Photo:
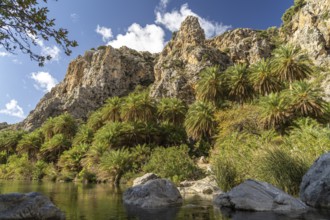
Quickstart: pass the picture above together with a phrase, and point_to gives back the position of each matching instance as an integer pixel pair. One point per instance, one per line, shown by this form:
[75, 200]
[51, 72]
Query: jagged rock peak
[190, 31]
[179, 64]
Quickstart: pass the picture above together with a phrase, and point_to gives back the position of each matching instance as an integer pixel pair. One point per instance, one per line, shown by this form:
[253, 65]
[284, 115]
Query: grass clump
[173, 163]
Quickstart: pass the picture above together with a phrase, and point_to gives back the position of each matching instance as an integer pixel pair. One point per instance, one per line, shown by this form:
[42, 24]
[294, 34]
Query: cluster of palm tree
[282, 84]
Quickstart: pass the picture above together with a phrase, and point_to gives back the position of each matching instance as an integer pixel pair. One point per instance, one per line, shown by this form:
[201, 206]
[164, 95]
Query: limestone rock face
[179, 64]
[90, 80]
[315, 185]
[259, 196]
[310, 29]
[157, 193]
[28, 206]
[243, 45]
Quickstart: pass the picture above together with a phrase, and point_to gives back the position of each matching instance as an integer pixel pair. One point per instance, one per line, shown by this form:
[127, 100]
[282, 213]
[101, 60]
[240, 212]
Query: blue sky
[142, 25]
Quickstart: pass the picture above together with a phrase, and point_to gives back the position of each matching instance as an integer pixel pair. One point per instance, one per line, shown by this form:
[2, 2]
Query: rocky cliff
[310, 29]
[178, 66]
[107, 72]
[90, 80]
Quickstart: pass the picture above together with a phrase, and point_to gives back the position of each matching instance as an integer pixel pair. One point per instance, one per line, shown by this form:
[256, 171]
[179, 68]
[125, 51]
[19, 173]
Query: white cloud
[74, 17]
[54, 52]
[163, 3]
[172, 21]
[149, 38]
[4, 54]
[13, 109]
[105, 32]
[44, 81]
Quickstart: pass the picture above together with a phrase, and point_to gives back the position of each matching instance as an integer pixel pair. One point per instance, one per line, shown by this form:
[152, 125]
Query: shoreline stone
[315, 185]
[157, 193]
[28, 206]
[253, 195]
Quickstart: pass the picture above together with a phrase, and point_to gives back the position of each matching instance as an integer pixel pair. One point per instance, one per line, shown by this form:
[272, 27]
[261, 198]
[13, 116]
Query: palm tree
[263, 78]
[47, 128]
[147, 107]
[274, 111]
[240, 88]
[9, 140]
[210, 86]
[111, 110]
[290, 63]
[83, 136]
[65, 124]
[200, 122]
[138, 107]
[113, 135]
[95, 121]
[30, 144]
[116, 163]
[306, 99]
[70, 159]
[172, 110]
[51, 150]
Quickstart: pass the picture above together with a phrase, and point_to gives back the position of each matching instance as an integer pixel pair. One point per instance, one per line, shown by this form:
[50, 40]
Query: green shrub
[51, 173]
[283, 170]
[114, 164]
[237, 152]
[173, 163]
[39, 170]
[70, 159]
[17, 167]
[225, 173]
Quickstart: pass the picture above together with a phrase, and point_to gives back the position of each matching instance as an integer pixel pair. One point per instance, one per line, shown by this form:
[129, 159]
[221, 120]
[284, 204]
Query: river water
[103, 202]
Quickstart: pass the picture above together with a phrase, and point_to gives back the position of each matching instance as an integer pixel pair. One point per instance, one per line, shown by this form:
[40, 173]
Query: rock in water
[28, 206]
[259, 196]
[158, 193]
[145, 178]
[204, 187]
[315, 185]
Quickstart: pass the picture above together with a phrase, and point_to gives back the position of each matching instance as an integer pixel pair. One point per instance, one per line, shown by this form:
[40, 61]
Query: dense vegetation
[266, 120]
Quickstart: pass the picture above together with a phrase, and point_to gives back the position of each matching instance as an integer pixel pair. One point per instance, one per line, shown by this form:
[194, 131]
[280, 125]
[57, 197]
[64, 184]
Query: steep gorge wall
[90, 80]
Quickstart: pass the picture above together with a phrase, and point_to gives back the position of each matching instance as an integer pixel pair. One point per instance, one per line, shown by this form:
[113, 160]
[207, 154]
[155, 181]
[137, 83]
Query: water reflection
[102, 202]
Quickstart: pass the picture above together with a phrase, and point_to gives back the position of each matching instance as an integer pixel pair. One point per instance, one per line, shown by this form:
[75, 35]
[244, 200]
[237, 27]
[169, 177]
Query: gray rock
[28, 206]
[205, 187]
[158, 193]
[259, 196]
[315, 185]
[145, 178]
